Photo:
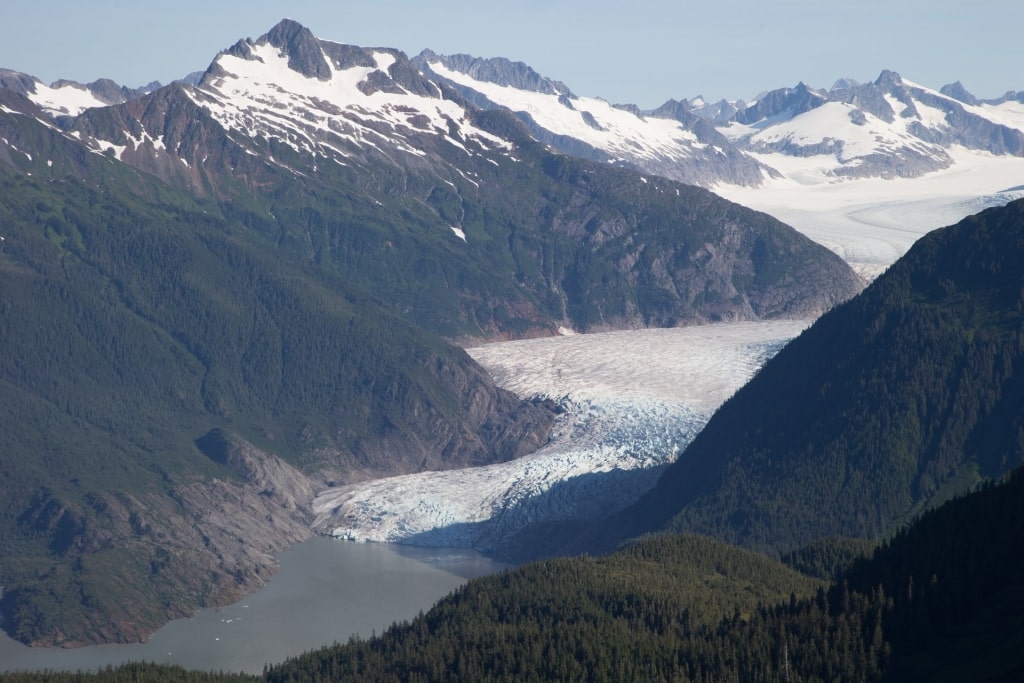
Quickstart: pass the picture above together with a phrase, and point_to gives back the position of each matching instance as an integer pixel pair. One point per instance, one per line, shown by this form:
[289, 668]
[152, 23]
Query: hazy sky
[641, 51]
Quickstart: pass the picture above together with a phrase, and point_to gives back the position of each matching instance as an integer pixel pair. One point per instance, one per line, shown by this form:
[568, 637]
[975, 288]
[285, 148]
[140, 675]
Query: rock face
[498, 70]
[780, 104]
[150, 549]
[958, 92]
[15, 81]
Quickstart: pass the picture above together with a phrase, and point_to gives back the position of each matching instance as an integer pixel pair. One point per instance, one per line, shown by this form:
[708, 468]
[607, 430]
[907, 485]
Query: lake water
[324, 592]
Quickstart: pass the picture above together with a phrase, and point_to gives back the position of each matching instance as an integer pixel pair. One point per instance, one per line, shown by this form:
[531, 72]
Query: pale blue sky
[641, 52]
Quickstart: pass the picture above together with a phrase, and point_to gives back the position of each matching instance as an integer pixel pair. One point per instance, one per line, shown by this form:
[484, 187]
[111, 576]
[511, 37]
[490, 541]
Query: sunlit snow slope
[871, 222]
[632, 401]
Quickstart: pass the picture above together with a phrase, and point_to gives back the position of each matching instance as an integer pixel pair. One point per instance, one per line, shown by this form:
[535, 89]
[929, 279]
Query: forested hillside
[907, 395]
[495, 244]
[941, 601]
[135, 321]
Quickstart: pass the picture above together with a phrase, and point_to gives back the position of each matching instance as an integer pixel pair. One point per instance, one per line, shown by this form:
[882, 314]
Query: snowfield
[871, 222]
[632, 400]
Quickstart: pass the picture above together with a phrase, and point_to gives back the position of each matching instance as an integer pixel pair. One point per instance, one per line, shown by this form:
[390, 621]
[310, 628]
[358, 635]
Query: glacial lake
[324, 592]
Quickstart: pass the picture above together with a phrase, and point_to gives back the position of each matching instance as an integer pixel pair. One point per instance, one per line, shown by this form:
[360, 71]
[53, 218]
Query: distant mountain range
[221, 295]
[810, 157]
[290, 110]
[888, 128]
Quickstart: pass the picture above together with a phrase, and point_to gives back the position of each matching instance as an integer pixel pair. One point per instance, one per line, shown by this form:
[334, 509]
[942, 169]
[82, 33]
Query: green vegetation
[827, 558]
[622, 617]
[136, 320]
[890, 404]
[171, 318]
[941, 601]
[129, 673]
[550, 240]
[250, 298]
[296, 307]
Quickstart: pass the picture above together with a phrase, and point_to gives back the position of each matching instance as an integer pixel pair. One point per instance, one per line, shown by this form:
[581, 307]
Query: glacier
[631, 401]
[872, 222]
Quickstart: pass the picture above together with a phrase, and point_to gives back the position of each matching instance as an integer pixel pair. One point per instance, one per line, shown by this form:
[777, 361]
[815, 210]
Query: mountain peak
[786, 103]
[23, 84]
[845, 83]
[888, 79]
[958, 92]
[301, 46]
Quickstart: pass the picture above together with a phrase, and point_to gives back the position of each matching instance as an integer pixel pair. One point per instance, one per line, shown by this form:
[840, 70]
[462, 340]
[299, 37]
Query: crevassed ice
[632, 400]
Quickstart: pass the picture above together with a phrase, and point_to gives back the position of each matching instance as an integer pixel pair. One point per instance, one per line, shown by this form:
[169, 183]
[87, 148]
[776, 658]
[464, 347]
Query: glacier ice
[631, 402]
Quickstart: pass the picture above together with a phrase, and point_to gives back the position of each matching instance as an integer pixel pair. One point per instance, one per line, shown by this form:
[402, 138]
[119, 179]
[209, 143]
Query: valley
[443, 301]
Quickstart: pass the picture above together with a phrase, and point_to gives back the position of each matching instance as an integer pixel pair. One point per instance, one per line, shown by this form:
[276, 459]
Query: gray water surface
[325, 592]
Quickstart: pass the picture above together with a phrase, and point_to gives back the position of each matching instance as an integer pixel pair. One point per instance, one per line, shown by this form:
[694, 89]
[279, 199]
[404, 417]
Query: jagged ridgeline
[907, 395]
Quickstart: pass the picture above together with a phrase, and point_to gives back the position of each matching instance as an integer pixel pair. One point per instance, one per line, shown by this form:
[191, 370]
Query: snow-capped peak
[330, 99]
[677, 147]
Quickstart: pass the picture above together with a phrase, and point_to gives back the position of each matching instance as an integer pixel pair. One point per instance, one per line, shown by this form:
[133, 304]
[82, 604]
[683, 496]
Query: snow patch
[106, 146]
[68, 99]
[265, 97]
[617, 131]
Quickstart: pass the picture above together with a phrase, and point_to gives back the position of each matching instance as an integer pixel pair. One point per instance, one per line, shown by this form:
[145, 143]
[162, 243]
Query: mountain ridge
[729, 143]
[417, 140]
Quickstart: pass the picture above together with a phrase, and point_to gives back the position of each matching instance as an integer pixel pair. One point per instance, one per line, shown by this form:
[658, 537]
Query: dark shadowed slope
[890, 404]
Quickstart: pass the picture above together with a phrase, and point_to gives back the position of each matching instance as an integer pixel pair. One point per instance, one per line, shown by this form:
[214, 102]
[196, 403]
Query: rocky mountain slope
[674, 144]
[175, 387]
[484, 232]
